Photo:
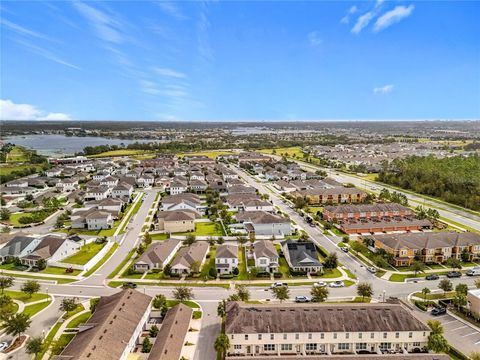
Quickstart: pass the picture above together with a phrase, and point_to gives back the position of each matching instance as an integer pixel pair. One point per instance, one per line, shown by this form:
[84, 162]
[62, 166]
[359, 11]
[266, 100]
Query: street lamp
[384, 293]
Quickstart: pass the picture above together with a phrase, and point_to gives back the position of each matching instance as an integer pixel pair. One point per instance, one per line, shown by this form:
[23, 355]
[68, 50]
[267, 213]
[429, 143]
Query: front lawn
[85, 253]
[20, 296]
[403, 277]
[159, 236]
[205, 229]
[209, 264]
[58, 271]
[80, 319]
[103, 260]
[31, 310]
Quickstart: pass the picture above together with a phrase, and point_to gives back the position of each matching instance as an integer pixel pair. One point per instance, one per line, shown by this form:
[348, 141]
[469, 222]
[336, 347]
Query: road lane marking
[449, 322]
[474, 333]
[461, 327]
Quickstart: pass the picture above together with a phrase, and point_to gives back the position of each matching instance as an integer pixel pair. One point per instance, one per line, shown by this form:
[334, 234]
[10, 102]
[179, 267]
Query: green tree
[189, 240]
[68, 304]
[93, 304]
[425, 292]
[34, 346]
[242, 240]
[212, 272]
[159, 301]
[331, 261]
[195, 267]
[183, 293]
[17, 324]
[146, 345]
[221, 345]
[477, 283]
[41, 264]
[221, 311]
[243, 293]
[475, 356]
[281, 293]
[30, 287]
[435, 326]
[418, 266]
[319, 293]
[153, 332]
[147, 238]
[462, 289]
[454, 263]
[6, 282]
[364, 290]
[167, 270]
[4, 214]
[445, 285]
[253, 272]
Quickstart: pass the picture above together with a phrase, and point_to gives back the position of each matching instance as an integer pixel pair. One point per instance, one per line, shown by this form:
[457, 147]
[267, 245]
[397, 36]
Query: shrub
[421, 305]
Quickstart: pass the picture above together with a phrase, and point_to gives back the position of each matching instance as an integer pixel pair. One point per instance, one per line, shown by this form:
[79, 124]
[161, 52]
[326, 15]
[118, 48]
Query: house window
[269, 347]
[272, 336]
[259, 336]
[322, 336]
[284, 336]
[297, 336]
[361, 346]
[334, 335]
[360, 335]
[286, 347]
[309, 336]
[416, 344]
[237, 347]
[385, 345]
[397, 335]
[246, 336]
[343, 346]
[311, 347]
[347, 336]
[384, 335]
[410, 335]
[372, 335]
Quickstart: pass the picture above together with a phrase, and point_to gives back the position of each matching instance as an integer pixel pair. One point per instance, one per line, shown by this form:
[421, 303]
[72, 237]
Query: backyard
[85, 253]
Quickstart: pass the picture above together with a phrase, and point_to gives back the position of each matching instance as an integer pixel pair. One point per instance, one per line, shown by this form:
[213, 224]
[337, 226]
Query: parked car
[454, 274]
[301, 299]
[320, 283]
[437, 311]
[474, 271]
[278, 284]
[336, 284]
[4, 345]
[344, 249]
[371, 269]
[129, 285]
[432, 277]
[312, 224]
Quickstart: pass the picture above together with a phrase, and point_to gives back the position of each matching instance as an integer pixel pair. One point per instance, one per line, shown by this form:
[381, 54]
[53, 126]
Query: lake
[61, 145]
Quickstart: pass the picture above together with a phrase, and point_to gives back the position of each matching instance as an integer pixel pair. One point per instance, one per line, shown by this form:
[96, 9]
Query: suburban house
[97, 193]
[184, 201]
[114, 329]
[332, 195]
[297, 330]
[53, 172]
[19, 245]
[67, 184]
[145, 180]
[158, 254]
[176, 221]
[178, 187]
[301, 256]
[170, 340]
[284, 186]
[198, 186]
[52, 247]
[366, 211]
[188, 256]
[428, 247]
[264, 223]
[265, 256]
[226, 258]
[122, 190]
[93, 219]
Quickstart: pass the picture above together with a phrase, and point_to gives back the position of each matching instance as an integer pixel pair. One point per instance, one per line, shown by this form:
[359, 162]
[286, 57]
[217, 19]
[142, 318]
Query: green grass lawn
[14, 219]
[58, 271]
[69, 314]
[134, 211]
[48, 340]
[159, 236]
[17, 154]
[9, 266]
[80, 319]
[122, 264]
[204, 229]
[20, 296]
[211, 154]
[209, 264]
[436, 295]
[103, 260]
[314, 209]
[329, 274]
[62, 342]
[190, 304]
[121, 152]
[402, 277]
[31, 310]
[242, 265]
[85, 253]
[8, 169]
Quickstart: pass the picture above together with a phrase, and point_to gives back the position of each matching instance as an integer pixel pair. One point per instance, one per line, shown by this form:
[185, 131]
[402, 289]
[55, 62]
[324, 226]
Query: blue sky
[232, 60]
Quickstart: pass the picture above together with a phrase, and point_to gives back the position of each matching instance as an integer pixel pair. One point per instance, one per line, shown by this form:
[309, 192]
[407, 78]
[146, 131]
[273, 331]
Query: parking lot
[463, 336]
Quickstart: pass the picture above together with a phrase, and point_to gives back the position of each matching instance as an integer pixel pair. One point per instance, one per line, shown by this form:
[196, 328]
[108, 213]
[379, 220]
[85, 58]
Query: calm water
[55, 145]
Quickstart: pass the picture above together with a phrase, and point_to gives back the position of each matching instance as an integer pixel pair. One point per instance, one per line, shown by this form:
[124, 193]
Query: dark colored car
[432, 277]
[129, 285]
[454, 274]
[437, 311]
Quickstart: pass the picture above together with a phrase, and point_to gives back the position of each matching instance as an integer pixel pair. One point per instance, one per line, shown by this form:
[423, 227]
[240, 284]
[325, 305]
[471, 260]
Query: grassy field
[204, 229]
[159, 236]
[5, 170]
[103, 260]
[17, 154]
[209, 264]
[69, 314]
[211, 154]
[79, 320]
[58, 271]
[121, 152]
[190, 304]
[436, 295]
[20, 296]
[402, 277]
[295, 151]
[85, 253]
[31, 310]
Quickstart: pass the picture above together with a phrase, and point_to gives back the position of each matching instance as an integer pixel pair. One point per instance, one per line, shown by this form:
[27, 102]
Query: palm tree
[436, 327]
[364, 290]
[221, 345]
[425, 292]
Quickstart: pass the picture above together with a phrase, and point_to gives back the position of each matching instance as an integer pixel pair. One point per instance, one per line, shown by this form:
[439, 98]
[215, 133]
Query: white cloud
[385, 89]
[166, 72]
[314, 38]
[346, 19]
[362, 22]
[12, 111]
[106, 26]
[171, 9]
[393, 16]
[46, 54]
[22, 30]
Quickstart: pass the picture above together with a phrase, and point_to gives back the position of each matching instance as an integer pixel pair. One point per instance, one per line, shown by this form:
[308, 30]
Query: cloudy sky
[232, 60]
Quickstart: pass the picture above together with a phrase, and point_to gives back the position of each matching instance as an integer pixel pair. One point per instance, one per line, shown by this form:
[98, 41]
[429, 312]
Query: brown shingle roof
[293, 318]
[170, 338]
[106, 334]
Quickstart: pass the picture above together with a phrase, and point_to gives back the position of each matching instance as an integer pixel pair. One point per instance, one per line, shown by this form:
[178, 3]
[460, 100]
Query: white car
[278, 284]
[372, 269]
[4, 345]
[320, 284]
[336, 284]
[301, 299]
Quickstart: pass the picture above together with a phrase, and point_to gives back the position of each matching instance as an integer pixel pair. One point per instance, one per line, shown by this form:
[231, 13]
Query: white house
[226, 258]
[265, 256]
[122, 190]
[177, 187]
[67, 185]
[53, 172]
[52, 248]
[146, 180]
